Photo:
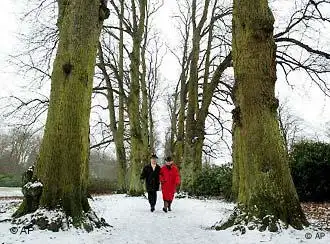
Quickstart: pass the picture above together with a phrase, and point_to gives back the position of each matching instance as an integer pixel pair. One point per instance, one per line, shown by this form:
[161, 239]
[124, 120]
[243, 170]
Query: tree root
[55, 220]
[30, 214]
[240, 221]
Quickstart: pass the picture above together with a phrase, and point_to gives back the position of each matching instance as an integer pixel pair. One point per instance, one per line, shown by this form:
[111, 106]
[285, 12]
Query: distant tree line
[19, 150]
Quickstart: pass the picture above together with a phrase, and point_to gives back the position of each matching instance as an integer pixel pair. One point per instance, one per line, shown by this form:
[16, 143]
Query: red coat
[170, 179]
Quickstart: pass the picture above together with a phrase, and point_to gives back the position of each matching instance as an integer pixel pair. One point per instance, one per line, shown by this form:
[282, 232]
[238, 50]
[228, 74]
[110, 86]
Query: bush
[214, 181]
[8, 180]
[310, 170]
[99, 185]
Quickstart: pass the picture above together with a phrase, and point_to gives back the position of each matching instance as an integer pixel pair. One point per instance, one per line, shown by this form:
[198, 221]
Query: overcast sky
[305, 99]
[8, 26]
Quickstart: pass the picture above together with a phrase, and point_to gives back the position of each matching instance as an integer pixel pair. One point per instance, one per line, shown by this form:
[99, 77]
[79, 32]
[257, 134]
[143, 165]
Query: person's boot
[152, 208]
[169, 206]
[165, 206]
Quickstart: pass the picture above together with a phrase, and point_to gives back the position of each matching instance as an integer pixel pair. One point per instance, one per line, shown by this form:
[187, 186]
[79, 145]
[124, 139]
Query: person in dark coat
[169, 178]
[150, 174]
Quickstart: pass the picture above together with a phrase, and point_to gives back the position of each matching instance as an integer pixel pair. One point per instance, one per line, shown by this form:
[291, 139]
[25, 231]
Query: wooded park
[107, 84]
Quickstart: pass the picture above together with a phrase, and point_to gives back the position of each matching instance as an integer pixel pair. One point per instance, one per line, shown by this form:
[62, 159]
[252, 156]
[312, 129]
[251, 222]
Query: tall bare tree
[200, 79]
[18, 149]
[290, 124]
[295, 52]
[132, 79]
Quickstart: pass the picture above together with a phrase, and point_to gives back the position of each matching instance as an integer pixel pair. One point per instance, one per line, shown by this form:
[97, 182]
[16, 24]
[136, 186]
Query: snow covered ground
[133, 223]
[10, 192]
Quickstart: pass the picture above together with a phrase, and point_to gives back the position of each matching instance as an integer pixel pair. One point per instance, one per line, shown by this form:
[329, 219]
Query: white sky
[9, 27]
[306, 100]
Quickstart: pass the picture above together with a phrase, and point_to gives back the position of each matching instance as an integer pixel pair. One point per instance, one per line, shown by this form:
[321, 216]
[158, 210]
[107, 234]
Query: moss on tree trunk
[120, 147]
[145, 107]
[116, 127]
[136, 154]
[62, 165]
[262, 179]
[192, 161]
[179, 143]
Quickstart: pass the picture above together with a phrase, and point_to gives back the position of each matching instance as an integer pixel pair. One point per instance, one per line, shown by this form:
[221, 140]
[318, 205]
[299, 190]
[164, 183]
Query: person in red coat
[169, 178]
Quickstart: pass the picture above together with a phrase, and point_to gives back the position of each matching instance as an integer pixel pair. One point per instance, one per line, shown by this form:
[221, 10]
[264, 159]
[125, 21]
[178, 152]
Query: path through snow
[134, 224]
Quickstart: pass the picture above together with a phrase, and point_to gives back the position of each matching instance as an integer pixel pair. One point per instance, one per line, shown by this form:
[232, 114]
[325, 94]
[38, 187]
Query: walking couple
[167, 175]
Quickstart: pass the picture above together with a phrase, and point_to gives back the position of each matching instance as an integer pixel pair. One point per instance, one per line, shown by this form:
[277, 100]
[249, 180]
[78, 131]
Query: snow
[33, 185]
[189, 222]
[11, 191]
[36, 184]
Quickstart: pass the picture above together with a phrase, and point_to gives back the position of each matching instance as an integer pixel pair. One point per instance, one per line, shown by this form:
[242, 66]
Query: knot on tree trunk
[67, 68]
[274, 105]
[104, 12]
[263, 28]
[236, 115]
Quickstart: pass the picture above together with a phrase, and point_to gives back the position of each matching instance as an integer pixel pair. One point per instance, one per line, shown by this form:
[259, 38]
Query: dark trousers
[152, 197]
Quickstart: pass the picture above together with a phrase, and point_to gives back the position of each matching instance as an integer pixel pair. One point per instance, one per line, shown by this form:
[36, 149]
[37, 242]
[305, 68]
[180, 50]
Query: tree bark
[180, 135]
[192, 157]
[62, 166]
[152, 141]
[116, 130]
[145, 107]
[120, 147]
[262, 177]
[135, 186]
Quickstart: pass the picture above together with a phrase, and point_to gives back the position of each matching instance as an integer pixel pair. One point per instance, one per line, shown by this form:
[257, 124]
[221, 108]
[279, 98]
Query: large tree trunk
[173, 106]
[135, 185]
[62, 165]
[152, 140]
[180, 135]
[120, 147]
[192, 162]
[116, 130]
[179, 146]
[262, 177]
[145, 107]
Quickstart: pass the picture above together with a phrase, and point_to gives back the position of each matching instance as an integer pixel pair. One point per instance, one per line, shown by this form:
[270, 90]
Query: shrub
[9, 180]
[310, 170]
[214, 181]
[99, 185]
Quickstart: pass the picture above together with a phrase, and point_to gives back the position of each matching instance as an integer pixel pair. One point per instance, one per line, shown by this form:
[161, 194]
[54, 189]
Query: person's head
[168, 160]
[153, 158]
